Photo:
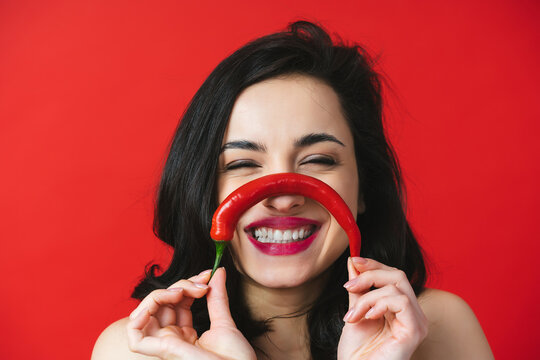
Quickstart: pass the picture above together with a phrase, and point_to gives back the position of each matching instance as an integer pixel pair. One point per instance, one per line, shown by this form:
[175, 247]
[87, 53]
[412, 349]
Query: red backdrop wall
[91, 92]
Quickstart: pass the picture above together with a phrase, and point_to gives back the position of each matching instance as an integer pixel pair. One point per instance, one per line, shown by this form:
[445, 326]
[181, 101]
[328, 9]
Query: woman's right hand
[162, 323]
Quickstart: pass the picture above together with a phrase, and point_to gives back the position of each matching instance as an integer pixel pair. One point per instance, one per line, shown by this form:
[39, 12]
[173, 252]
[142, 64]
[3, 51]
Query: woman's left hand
[384, 323]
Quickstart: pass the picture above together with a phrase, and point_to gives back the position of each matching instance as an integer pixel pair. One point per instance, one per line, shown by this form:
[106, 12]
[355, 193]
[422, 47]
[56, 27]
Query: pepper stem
[220, 247]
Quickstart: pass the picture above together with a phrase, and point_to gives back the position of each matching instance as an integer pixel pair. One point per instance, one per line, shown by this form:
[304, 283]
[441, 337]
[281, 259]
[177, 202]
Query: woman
[289, 102]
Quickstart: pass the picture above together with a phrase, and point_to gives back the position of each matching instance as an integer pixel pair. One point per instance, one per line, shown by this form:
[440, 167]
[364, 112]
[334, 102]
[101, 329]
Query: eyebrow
[304, 141]
[243, 145]
[311, 139]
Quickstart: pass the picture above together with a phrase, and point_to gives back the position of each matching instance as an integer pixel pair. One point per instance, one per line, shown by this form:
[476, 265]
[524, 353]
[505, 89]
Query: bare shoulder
[112, 344]
[454, 331]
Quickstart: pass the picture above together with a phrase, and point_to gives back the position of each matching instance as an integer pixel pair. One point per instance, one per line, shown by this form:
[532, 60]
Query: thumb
[353, 273]
[218, 301]
[351, 269]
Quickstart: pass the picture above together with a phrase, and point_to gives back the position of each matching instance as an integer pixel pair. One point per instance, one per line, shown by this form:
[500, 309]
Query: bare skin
[454, 333]
[279, 117]
[272, 304]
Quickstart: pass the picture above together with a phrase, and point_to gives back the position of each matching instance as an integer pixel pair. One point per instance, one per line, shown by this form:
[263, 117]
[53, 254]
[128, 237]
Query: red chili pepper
[247, 195]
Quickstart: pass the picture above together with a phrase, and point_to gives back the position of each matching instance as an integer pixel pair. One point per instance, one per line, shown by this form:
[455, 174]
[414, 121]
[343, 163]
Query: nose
[284, 203]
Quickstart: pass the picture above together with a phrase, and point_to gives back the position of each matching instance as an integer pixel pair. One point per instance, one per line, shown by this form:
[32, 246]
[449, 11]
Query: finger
[183, 309]
[152, 327]
[365, 302]
[218, 302]
[186, 334]
[366, 264]
[157, 298]
[352, 275]
[174, 294]
[166, 315]
[171, 296]
[203, 277]
[199, 278]
[379, 278]
[400, 309]
[137, 341]
[174, 341]
[362, 264]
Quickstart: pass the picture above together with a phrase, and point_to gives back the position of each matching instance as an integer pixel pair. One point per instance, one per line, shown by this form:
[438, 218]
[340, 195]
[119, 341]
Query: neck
[286, 309]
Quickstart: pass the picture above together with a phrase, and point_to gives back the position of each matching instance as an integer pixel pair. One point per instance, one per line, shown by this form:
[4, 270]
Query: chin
[280, 283]
[280, 278]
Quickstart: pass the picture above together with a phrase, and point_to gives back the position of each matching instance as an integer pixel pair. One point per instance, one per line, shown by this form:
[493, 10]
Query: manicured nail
[175, 289]
[369, 313]
[349, 284]
[348, 315]
[359, 260]
[201, 286]
[205, 272]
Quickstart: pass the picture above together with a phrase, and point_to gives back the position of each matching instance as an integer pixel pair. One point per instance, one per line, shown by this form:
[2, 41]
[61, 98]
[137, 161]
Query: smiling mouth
[268, 235]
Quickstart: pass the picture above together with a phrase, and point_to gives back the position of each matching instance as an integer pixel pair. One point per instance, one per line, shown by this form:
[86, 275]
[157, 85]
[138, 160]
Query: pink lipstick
[282, 235]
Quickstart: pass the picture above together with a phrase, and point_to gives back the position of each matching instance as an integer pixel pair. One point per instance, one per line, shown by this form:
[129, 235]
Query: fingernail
[175, 289]
[359, 260]
[348, 315]
[135, 314]
[369, 313]
[201, 286]
[205, 272]
[349, 283]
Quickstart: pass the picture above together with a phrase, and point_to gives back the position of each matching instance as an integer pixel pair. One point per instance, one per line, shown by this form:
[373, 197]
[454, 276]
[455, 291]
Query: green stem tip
[220, 247]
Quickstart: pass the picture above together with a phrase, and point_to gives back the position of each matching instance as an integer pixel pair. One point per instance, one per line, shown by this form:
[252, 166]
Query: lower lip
[283, 249]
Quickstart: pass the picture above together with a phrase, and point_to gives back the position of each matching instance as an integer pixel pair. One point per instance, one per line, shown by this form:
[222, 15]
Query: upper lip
[282, 223]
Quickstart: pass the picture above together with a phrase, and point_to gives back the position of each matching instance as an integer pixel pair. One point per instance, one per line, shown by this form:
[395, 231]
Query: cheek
[225, 187]
[349, 192]
[236, 252]
[226, 184]
[339, 239]
[222, 190]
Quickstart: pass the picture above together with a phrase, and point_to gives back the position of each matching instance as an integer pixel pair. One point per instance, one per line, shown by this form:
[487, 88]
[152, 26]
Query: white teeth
[287, 235]
[269, 235]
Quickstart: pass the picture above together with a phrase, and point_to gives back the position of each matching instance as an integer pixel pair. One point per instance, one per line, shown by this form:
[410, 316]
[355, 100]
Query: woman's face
[288, 124]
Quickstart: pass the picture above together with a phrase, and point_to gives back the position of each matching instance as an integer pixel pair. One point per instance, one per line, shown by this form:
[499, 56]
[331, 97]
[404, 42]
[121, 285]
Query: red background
[91, 92]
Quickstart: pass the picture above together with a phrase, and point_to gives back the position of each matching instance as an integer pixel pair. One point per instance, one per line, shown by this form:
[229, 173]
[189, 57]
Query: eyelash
[240, 164]
[322, 160]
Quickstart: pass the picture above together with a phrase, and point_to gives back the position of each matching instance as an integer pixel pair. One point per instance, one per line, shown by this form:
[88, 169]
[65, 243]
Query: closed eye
[323, 160]
[240, 164]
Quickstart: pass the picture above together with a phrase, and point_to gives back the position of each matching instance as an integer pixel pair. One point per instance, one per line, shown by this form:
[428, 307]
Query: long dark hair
[186, 198]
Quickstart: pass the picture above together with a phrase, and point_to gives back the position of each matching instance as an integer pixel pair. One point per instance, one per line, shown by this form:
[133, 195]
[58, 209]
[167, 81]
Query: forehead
[294, 104]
